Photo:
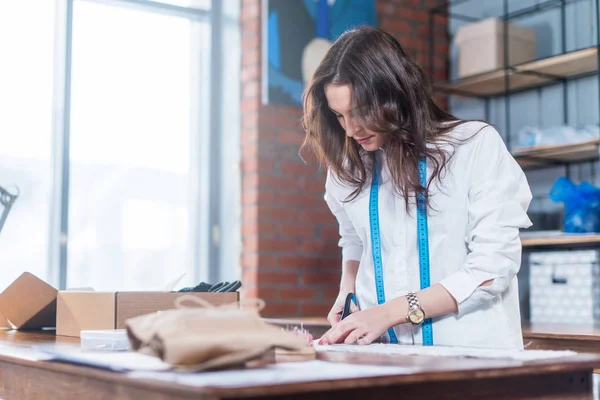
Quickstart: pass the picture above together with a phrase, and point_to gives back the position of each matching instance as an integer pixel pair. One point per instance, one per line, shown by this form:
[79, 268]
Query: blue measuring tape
[423, 236]
[423, 244]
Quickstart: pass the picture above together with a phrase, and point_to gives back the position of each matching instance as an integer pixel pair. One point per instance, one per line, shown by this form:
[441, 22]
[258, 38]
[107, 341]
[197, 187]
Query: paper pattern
[446, 351]
[275, 374]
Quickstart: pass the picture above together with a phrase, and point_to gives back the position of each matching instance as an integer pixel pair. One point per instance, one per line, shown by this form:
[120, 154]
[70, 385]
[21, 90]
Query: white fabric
[479, 206]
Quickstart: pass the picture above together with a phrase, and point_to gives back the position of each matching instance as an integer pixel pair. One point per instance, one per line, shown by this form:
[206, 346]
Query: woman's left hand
[361, 327]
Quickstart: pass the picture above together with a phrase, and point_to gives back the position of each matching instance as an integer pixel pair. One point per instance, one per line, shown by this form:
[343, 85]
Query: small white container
[481, 46]
[105, 340]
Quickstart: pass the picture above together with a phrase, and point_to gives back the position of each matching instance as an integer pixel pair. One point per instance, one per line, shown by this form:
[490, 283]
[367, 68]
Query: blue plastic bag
[582, 205]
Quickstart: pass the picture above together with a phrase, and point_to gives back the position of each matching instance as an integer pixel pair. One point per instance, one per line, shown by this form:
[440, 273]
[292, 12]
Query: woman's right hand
[335, 314]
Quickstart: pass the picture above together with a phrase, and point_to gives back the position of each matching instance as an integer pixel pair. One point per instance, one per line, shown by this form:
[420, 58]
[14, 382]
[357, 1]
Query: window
[26, 79]
[131, 144]
[122, 155]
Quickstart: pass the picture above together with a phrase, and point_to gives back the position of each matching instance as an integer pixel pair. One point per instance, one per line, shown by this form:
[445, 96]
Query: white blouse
[478, 208]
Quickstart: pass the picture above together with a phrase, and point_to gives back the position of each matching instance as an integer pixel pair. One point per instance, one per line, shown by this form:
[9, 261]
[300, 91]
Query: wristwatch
[416, 315]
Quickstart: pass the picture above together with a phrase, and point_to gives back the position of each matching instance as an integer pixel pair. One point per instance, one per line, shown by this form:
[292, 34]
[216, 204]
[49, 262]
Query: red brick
[278, 244]
[250, 73]
[267, 294]
[317, 310]
[409, 42]
[254, 291]
[249, 3]
[293, 168]
[320, 277]
[297, 293]
[279, 214]
[249, 212]
[250, 58]
[296, 230]
[250, 119]
[313, 186]
[401, 25]
[250, 106]
[299, 200]
[249, 275]
[253, 228]
[331, 232]
[320, 247]
[410, 13]
[249, 150]
[249, 196]
[292, 137]
[250, 89]
[249, 292]
[250, 11]
[251, 27]
[269, 244]
[250, 41]
[442, 48]
[320, 216]
[330, 291]
[307, 262]
[251, 243]
[277, 182]
[249, 134]
[267, 134]
[280, 309]
[252, 261]
[288, 111]
[250, 165]
[283, 121]
[278, 277]
[250, 180]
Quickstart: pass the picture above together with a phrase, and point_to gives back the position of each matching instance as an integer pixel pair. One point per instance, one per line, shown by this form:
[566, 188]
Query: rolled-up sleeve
[499, 197]
[350, 242]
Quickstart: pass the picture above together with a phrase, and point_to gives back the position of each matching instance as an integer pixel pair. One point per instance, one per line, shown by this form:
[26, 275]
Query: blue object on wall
[291, 26]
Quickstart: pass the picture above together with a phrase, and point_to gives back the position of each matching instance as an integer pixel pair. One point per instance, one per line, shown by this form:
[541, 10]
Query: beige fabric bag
[209, 337]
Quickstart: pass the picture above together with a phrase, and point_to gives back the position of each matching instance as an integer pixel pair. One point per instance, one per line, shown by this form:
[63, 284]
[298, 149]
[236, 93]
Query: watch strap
[413, 301]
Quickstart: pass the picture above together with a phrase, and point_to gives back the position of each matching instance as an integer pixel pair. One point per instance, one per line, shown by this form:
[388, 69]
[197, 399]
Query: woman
[372, 122]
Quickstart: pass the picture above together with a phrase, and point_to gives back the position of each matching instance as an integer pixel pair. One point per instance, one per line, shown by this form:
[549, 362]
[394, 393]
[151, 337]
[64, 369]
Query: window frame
[213, 164]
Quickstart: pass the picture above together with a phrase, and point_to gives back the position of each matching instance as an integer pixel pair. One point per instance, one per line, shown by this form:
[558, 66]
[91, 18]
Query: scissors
[347, 304]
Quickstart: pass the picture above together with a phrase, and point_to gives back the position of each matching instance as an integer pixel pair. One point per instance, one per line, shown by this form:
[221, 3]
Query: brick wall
[290, 255]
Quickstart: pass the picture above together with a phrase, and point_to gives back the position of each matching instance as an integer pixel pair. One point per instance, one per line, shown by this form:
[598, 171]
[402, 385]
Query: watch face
[416, 316]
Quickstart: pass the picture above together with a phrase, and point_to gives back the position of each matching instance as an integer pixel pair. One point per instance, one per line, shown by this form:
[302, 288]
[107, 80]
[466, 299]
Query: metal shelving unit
[526, 76]
[533, 75]
[501, 83]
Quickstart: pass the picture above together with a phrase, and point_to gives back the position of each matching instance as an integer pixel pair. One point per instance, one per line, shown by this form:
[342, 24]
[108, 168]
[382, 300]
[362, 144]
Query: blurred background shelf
[554, 239]
[562, 154]
[525, 76]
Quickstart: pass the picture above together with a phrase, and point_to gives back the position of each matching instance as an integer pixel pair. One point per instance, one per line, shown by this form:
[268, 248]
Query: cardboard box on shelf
[481, 46]
[77, 311]
[29, 303]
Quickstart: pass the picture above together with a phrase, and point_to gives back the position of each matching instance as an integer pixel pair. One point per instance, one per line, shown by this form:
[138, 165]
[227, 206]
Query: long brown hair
[390, 96]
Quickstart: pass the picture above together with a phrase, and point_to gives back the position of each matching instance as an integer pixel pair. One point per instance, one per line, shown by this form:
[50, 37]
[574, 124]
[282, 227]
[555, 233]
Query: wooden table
[578, 337]
[437, 378]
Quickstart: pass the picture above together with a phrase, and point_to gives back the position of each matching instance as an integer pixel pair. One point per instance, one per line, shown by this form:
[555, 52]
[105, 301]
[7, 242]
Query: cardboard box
[481, 46]
[29, 303]
[77, 311]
